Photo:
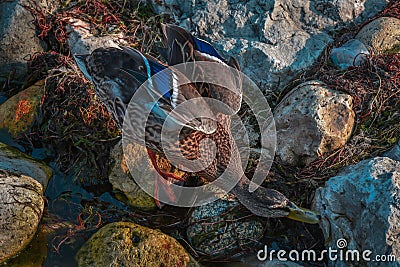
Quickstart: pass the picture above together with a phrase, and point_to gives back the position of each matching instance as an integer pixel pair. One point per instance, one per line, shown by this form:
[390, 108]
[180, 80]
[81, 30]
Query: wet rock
[18, 38]
[272, 39]
[129, 244]
[21, 205]
[220, 228]
[13, 160]
[82, 41]
[33, 255]
[312, 120]
[361, 205]
[382, 35]
[121, 178]
[20, 111]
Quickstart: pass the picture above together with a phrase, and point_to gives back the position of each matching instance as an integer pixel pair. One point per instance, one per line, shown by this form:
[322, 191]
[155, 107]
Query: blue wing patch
[162, 80]
[207, 48]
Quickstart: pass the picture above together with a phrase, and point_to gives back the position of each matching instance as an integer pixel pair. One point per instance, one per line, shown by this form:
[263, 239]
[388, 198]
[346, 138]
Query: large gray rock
[362, 205]
[272, 39]
[82, 41]
[312, 120]
[219, 228]
[18, 37]
[21, 208]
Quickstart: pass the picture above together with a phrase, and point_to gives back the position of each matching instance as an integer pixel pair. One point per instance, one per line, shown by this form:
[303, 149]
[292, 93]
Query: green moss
[129, 244]
[394, 50]
[14, 153]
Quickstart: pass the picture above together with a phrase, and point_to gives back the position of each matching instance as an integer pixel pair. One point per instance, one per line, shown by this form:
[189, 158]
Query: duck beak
[302, 215]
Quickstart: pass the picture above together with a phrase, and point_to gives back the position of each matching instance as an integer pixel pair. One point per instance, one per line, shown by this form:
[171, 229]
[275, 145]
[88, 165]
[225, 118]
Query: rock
[272, 39]
[351, 53]
[22, 204]
[33, 255]
[312, 120]
[220, 228]
[18, 38]
[122, 180]
[82, 41]
[129, 244]
[362, 206]
[394, 152]
[382, 35]
[13, 160]
[20, 111]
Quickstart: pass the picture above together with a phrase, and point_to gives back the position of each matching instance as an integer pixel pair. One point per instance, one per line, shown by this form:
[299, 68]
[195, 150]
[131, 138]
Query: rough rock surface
[361, 204]
[122, 180]
[21, 208]
[351, 53]
[18, 36]
[82, 41]
[310, 121]
[219, 228]
[33, 255]
[19, 112]
[272, 39]
[137, 246]
[394, 152]
[13, 160]
[382, 35]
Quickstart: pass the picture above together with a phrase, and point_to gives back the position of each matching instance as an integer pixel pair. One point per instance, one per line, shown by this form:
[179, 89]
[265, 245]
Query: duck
[117, 73]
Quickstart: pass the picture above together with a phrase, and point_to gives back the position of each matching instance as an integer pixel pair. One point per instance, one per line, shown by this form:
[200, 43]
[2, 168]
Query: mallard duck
[118, 72]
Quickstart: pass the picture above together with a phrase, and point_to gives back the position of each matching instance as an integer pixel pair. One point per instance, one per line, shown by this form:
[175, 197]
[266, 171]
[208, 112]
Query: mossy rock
[22, 204]
[33, 255]
[382, 35]
[129, 244]
[19, 112]
[120, 177]
[11, 159]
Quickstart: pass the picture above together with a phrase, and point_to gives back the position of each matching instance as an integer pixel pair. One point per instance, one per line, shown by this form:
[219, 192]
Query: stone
[21, 206]
[312, 120]
[394, 152]
[18, 38]
[360, 209]
[129, 244]
[82, 41]
[20, 111]
[121, 178]
[219, 228]
[13, 160]
[382, 35]
[33, 255]
[351, 53]
[273, 40]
